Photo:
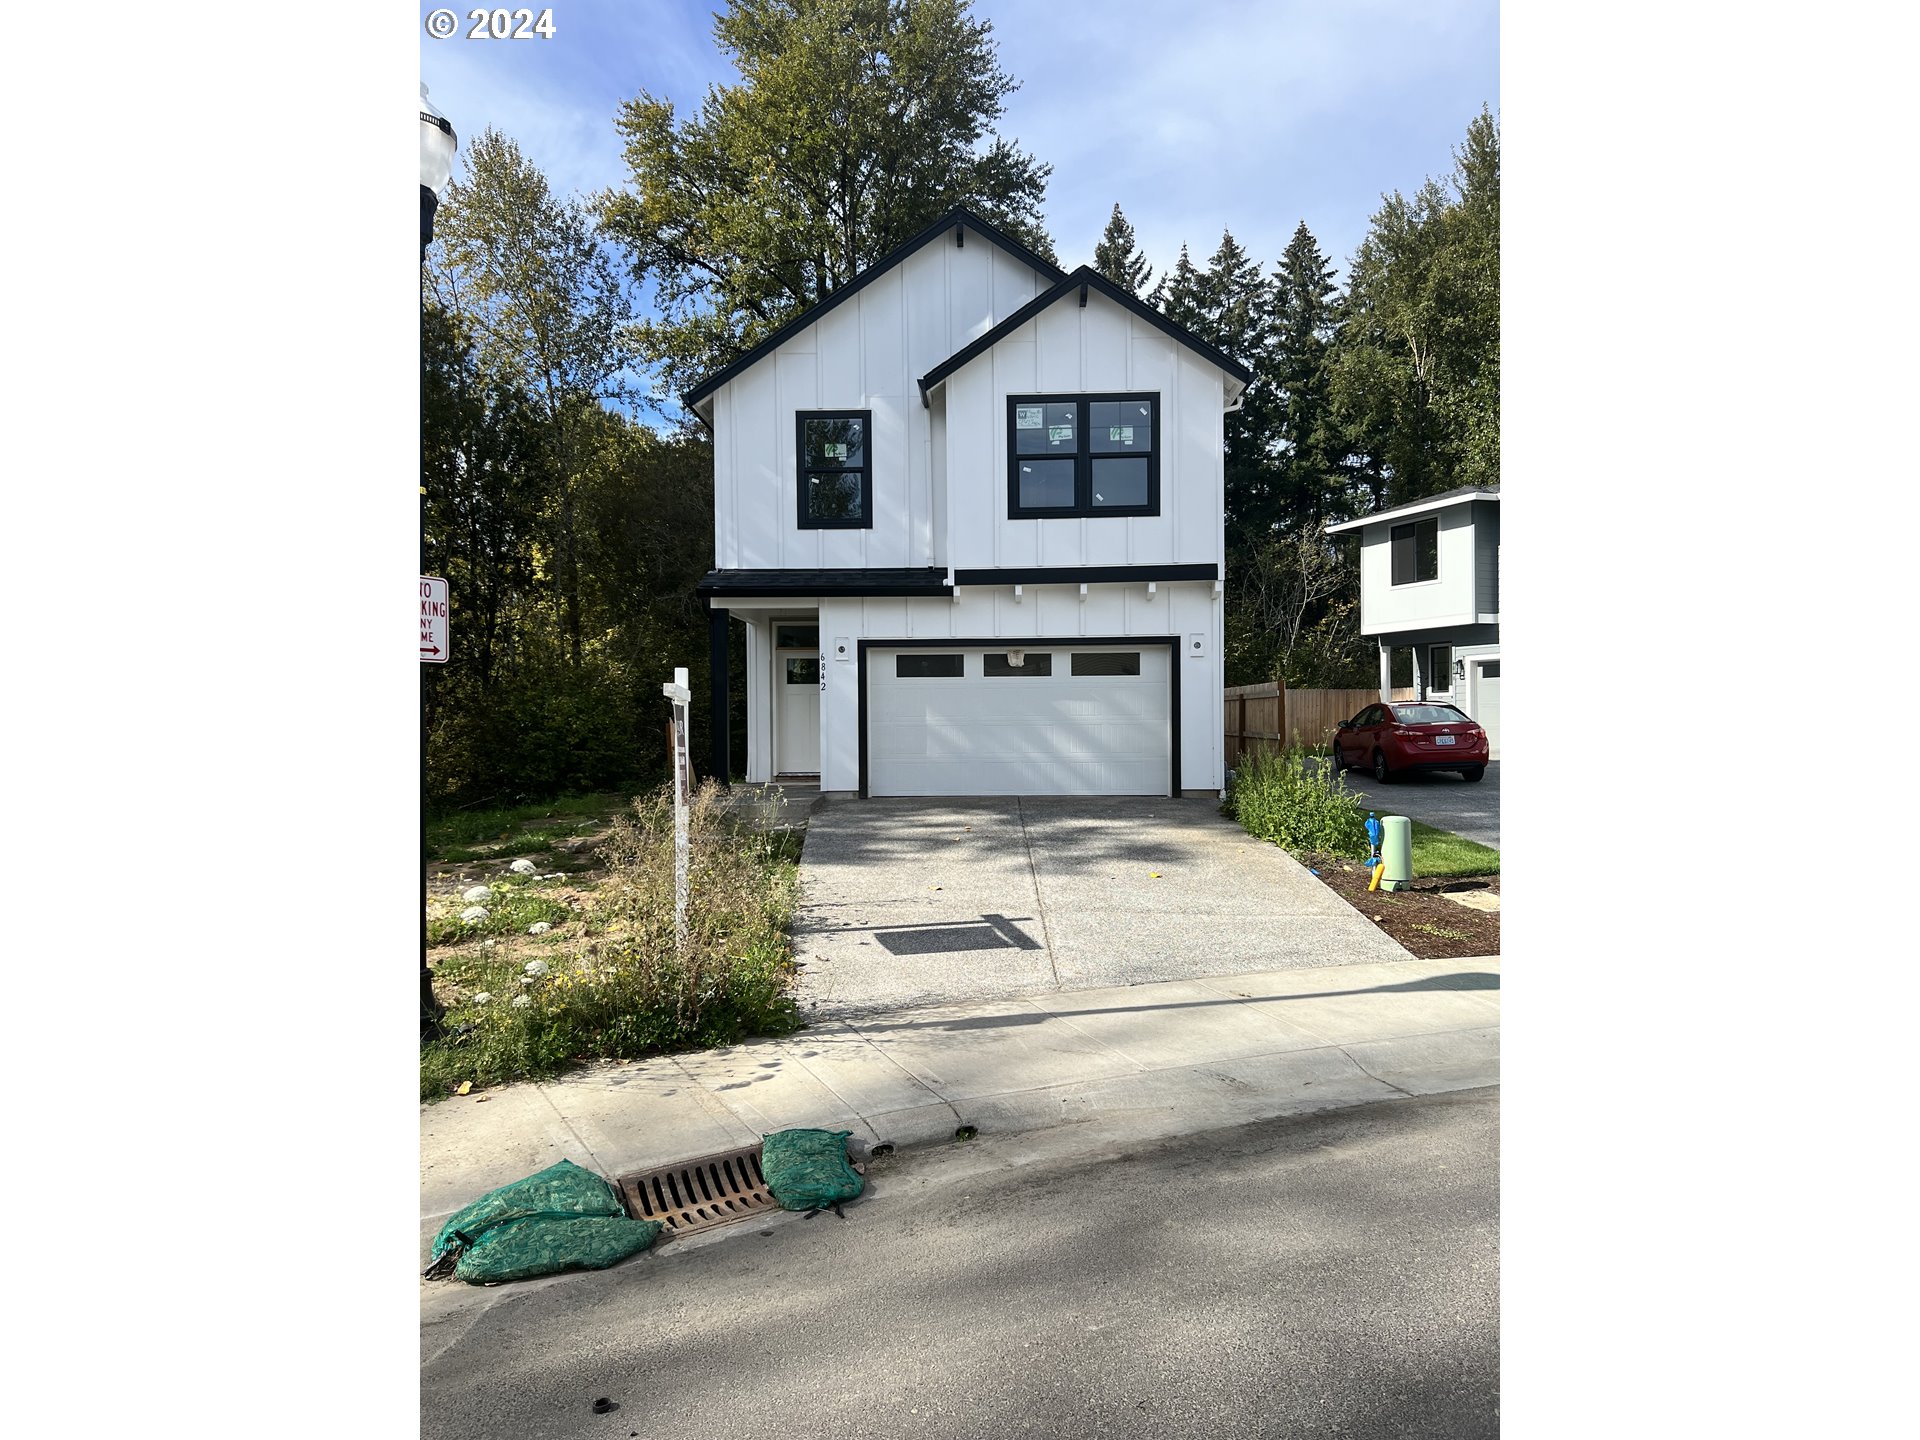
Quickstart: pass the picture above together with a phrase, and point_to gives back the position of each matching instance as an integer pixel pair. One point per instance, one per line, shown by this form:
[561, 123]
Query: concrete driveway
[907, 902]
[1443, 800]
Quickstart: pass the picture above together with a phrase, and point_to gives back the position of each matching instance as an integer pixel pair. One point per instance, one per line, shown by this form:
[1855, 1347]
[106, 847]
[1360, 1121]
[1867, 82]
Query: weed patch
[510, 910]
[481, 834]
[1278, 796]
[627, 988]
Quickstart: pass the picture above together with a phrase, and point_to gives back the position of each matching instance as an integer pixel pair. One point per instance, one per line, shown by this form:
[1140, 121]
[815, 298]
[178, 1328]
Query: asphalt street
[1329, 1275]
[1441, 799]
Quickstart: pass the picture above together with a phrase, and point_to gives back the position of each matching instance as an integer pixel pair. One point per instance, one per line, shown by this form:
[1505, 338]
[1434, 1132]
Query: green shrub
[634, 991]
[1302, 806]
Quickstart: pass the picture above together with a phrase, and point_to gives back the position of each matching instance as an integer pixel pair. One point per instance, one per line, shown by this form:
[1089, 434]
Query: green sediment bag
[563, 1218]
[808, 1169]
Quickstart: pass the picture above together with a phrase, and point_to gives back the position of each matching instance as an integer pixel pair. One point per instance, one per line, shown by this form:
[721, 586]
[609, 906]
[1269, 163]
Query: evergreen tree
[1311, 473]
[1180, 294]
[1416, 371]
[855, 125]
[1237, 318]
[1118, 257]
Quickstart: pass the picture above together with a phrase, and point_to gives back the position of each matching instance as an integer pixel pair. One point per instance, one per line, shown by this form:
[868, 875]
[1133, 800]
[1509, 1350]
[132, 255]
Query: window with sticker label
[1088, 455]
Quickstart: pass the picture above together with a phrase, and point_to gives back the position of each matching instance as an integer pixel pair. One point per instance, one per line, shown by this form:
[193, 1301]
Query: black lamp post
[437, 144]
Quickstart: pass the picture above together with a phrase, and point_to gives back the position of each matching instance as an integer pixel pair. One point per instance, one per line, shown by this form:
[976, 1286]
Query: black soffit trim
[824, 582]
[1080, 279]
[1086, 575]
[959, 215]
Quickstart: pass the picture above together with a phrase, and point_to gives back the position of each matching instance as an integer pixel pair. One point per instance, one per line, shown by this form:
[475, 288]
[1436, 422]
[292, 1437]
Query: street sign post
[436, 625]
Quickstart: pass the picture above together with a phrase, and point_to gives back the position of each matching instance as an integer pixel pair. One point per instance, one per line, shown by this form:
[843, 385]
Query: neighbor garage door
[1486, 701]
[1049, 720]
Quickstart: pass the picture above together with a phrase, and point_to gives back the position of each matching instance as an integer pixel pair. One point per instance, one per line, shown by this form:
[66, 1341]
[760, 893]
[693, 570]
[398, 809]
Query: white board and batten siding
[865, 354]
[1069, 349]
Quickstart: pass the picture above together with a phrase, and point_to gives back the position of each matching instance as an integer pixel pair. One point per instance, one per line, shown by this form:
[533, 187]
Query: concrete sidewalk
[1078, 1070]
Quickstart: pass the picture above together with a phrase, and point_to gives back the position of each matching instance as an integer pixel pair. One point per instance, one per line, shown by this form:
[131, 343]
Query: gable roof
[1084, 278]
[959, 215]
[1417, 507]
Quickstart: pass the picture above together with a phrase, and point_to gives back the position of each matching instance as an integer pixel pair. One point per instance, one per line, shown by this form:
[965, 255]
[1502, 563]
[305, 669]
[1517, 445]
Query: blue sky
[1249, 115]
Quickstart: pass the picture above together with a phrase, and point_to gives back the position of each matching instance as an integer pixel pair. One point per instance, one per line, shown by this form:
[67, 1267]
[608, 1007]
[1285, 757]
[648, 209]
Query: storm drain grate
[698, 1194]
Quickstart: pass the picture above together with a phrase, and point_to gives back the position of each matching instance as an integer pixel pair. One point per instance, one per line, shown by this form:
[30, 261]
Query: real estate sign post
[681, 696]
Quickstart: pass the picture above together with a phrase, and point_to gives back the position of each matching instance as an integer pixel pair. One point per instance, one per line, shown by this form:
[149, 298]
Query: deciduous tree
[854, 125]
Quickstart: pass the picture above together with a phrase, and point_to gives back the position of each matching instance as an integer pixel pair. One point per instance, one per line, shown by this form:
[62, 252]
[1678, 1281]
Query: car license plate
[1443, 739]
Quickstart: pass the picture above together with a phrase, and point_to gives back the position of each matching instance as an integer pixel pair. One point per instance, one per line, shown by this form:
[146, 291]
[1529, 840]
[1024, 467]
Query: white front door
[796, 712]
[1052, 718]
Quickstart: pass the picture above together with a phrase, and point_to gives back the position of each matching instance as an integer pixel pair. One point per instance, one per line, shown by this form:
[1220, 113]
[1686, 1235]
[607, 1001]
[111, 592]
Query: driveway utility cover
[907, 902]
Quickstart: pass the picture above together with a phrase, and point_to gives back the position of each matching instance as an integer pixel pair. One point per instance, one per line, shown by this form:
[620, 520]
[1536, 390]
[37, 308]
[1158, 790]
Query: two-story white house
[1430, 583]
[968, 524]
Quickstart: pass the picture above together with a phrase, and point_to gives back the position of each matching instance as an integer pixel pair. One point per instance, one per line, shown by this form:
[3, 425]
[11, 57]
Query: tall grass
[634, 991]
[1302, 806]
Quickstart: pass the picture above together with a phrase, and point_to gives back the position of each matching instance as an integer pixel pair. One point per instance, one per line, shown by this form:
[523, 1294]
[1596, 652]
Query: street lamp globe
[437, 144]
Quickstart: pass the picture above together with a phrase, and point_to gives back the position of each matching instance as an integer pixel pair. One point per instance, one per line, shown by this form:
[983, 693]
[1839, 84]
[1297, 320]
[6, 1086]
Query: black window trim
[1083, 507]
[1414, 525]
[864, 470]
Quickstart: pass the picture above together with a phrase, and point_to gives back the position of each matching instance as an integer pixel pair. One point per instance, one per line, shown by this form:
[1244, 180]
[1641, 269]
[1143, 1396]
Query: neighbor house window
[1440, 668]
[1416, 551]
[836, 470]
[1082, 455]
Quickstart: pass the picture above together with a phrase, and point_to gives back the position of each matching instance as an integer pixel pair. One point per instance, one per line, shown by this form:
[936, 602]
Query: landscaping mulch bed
[1431, 926]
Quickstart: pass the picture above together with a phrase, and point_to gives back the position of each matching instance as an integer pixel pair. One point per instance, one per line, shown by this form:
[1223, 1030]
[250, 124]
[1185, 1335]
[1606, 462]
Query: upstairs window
[1416, 551]
[1094, 455]
[836, 470]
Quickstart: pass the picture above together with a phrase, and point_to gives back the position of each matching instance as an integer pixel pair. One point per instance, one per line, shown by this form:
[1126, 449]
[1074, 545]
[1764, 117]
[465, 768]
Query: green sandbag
[808, 1169]
[563, 1218]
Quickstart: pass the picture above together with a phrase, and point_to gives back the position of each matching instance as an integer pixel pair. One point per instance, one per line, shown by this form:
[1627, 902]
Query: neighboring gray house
[1430, 583]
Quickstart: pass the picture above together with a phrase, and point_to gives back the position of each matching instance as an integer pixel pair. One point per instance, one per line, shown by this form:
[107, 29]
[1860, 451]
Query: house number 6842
[510, 25]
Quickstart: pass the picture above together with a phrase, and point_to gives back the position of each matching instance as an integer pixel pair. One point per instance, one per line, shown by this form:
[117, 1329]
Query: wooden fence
[1267, 716]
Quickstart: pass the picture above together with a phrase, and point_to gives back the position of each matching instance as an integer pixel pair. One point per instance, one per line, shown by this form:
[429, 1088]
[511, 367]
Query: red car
[1405, 735]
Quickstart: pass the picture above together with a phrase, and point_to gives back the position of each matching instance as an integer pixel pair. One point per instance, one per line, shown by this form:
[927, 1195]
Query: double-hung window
[836, 470]
[1095, 455]
[1416, 551]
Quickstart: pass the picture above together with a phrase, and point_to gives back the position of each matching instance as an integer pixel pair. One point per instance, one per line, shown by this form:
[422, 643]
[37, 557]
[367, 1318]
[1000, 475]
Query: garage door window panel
[1083, 455]
[1107, 663]
[929, 667]
[1030, 667]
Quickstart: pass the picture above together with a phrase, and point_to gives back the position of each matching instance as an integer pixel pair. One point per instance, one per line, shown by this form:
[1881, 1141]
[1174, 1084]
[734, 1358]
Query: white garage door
[1065, 720]
[1486, 703]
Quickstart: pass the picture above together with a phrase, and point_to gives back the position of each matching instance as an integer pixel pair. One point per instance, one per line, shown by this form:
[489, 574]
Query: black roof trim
[959, 215]
[1086, 574]
[823, 582]
[1086, 275]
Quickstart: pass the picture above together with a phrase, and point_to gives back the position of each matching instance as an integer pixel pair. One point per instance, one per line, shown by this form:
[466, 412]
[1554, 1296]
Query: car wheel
[1338, 763]
[1380, 770]
[1473, 772]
